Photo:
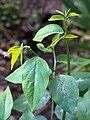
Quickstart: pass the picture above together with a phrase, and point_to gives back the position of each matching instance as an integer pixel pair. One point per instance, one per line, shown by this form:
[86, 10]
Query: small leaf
[6, 104]
[46, 31]
[73, 14]
[74, 60]
[65, 92]
[15, 51]
[83, 80]
[41, 117]
[35, 80]
[56, 17]
[83, 108]
[70, 36]
[61, 13]
[42, 48]
[27, 115]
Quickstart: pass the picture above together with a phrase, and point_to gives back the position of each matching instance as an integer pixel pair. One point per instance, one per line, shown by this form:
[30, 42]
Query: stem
[64, 115]
[68, 58]
[54, 59]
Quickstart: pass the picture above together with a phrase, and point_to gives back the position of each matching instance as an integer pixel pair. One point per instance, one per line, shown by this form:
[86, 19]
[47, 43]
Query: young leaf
[56, 17]
[42, 48]
[73, 14]
[65, 92]
[83, 80]
[27, 115]
[46, 31]
[70, 36]
[15, 51]
[35, 80]
[74, 60]
[6, 104]
[61, 13]
[83, 108]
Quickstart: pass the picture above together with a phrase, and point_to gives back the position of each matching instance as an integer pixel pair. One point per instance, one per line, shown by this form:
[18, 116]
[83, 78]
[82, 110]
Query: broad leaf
[75, 60]
[56, 17]
[46, 31]
[27, 115]
[83, 80]
[59, 112]
[42, 48]
[83, 110]
[6, 104]
[70, 36]
[65, 92]
[35, 80]
[41, 117]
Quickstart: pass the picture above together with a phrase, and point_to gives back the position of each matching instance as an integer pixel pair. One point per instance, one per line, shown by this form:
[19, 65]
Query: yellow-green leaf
[70, 36]
[73, 14]
[42, 48]
[61, 13]
[15, 51]
[55, 42]
[56, 17]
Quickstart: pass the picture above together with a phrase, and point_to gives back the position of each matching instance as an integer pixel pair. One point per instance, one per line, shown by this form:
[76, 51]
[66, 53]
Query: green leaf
[41, 117]
[73, 14]
[56, 17]
[59, 112]
[83, 80]
[65, 92]
[42, 48]
[6, 104]
[16, 76]
[46, 31]
[21, 104]
[71, 36]
[74, 60]
[35, 80]
[27, 115]
[83, 108]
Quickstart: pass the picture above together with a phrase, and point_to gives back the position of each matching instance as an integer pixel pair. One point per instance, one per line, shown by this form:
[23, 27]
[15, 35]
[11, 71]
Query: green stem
[54, 58]
[68, 58]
